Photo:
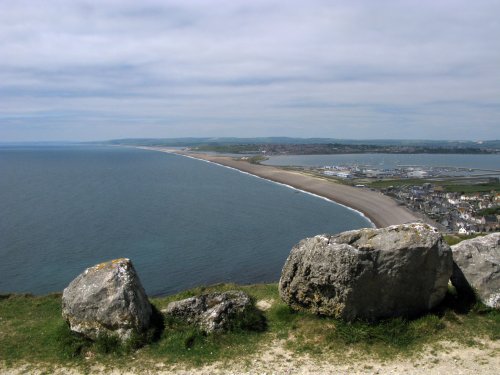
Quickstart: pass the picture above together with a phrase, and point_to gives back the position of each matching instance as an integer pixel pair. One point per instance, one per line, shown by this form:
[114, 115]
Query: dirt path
[443, 358]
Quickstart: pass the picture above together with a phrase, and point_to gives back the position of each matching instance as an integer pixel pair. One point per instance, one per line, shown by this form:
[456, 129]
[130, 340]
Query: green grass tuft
[453, 239]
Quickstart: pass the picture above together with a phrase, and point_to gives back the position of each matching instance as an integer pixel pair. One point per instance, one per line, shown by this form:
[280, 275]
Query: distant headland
[316, 146]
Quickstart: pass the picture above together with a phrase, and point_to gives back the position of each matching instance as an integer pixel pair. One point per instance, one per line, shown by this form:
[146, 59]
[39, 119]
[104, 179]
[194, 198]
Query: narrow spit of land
[380, 209]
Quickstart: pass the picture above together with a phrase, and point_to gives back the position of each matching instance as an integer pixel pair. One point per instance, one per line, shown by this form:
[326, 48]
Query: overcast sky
[91, 70]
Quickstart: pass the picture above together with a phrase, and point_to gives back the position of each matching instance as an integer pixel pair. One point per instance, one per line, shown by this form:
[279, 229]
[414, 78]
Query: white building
[344, 175]
[417, 174]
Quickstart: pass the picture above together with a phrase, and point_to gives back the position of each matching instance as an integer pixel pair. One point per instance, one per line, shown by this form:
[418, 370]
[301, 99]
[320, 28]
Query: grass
[229, 149]
[490, 211]
[257, 159]
[33, 331]
[31, 327]
[473, 188]
[383, 184]
[449, 186]
[453, 239]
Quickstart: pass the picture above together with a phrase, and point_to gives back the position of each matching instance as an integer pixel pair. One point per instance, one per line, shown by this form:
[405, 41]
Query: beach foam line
[266, 179]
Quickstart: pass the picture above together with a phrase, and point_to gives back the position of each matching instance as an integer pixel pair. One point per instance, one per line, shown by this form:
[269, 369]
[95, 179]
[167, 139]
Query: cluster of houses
[348, 172]
[456, 212]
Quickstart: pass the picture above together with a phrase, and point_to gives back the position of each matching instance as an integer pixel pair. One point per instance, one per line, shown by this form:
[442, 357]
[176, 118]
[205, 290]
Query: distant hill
[190, 142]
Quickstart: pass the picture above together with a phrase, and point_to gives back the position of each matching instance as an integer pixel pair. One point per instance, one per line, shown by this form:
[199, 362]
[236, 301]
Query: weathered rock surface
[107, 299]
[214, 312]
[477, 266]
[401, 270]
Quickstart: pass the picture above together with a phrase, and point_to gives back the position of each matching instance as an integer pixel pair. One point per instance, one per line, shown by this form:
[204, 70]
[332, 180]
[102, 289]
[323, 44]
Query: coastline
[381, 210]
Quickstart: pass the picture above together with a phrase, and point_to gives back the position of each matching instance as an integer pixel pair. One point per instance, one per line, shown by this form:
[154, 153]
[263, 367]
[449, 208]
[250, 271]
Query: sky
[356, 69]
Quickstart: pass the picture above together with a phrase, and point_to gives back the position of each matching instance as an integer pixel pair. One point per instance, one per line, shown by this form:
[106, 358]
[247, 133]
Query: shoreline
[285, 185]
[379, 209]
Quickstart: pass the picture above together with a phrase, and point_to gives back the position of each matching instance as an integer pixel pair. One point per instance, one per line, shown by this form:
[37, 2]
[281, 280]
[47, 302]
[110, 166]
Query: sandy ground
[380, 209]
[445, 358]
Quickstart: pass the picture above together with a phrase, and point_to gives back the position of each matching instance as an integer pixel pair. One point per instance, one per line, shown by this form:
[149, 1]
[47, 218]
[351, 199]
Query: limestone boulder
[107, 299]
[215, 312]
[369, 274]
[477, 267]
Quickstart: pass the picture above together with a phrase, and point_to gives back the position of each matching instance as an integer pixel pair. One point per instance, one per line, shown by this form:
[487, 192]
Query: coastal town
[471, 204]
[462, 213]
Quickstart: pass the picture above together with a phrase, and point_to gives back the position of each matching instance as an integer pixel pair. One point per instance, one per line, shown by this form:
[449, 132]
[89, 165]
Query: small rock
[107, 299]
[264, 304]
[214, 312]
[477, 266]
[401, 270]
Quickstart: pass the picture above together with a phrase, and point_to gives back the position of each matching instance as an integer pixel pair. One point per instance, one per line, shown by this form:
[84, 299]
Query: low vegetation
[449, 185]
[490, 211]
[257, 159]
[453, 239]
[32, 331]
[228, 149]
[473, 188]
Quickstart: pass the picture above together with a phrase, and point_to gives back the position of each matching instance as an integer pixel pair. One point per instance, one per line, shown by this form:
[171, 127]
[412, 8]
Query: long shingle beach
[380, 209]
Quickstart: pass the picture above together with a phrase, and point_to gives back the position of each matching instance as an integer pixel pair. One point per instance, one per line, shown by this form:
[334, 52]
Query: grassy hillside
[34, 332]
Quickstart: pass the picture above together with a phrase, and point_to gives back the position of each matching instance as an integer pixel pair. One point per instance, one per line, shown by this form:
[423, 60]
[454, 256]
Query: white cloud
[350, 69]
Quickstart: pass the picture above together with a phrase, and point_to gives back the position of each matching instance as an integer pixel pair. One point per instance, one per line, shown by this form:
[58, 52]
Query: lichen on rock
[369, 274]
[217, 312]
[107, 299]
[476, 268]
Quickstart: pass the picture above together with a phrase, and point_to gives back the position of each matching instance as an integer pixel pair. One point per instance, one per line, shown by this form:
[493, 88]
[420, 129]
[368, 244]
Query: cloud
[353, 69]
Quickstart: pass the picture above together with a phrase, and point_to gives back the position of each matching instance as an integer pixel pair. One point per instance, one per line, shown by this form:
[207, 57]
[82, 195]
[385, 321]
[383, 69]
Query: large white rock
[401, 270]
[107, 299]
[477, 266]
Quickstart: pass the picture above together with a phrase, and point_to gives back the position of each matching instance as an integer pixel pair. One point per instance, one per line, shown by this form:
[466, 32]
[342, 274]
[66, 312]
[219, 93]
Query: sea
[183, 222]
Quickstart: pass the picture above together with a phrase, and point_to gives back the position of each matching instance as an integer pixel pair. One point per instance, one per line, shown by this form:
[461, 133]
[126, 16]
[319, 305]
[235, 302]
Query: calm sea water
[390, 161]
[183, 222]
